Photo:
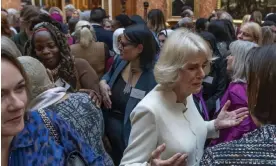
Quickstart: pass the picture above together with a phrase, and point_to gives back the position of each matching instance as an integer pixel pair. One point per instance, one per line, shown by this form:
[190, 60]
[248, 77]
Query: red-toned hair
[5, 27]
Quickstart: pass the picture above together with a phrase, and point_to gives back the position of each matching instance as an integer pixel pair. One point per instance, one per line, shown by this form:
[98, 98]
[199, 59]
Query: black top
[119, 98]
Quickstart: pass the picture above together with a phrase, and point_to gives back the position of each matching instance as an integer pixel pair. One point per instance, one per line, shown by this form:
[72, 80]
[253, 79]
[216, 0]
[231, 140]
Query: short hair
[226, 16]
[156, 20]
[186, 22]
[70, 7]
[37, 74]
[255, 31]
[269, 36]
[97, 15]
[187, 13]
[261, 73]
[72, 24]
[7, 45]
[140, 34]
[85, 15]
[118, 32]
[177, 48]
[257, 17]
[239, 49]
[201, 24]
[84, 33]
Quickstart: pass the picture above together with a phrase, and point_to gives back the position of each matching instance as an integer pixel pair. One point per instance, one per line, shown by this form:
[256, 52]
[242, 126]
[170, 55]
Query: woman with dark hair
[258, 146]
[215, 82]
[127, 82]
[49, 45]
[138, 19]
[201, 25]
[26, 139]
[224, 32]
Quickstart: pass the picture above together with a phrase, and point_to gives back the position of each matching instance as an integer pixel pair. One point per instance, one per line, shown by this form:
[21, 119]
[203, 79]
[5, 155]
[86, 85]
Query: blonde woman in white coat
[167, 128]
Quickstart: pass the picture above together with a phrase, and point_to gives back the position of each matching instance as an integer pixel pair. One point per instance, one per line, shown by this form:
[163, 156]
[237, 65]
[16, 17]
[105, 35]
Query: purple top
[236, 93]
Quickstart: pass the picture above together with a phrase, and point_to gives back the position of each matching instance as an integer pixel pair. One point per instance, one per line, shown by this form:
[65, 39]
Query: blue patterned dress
[34, 146]
[83, 116]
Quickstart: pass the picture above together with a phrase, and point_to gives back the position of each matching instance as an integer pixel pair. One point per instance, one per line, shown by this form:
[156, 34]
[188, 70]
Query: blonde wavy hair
[85, 33]
[180, 45]
[254, 30]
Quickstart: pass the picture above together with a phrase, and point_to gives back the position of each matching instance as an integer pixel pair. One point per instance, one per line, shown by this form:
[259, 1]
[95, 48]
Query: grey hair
[13, 16]
[85, 16]
[239, 49]
[226, 16]
[69, 7]
[37, 74]
[179, 46]
[184, 21]
[9, 47]
[85, 33]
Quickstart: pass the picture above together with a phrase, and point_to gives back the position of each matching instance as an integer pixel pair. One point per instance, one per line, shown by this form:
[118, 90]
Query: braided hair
[66, 69]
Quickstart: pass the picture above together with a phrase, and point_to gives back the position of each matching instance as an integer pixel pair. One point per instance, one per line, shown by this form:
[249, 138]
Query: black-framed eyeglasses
[123, 45]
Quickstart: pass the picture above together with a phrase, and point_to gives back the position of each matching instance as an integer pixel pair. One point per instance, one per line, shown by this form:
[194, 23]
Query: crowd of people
[78, 88]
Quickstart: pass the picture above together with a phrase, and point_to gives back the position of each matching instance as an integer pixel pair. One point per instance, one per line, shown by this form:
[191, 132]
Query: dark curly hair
[67, 70]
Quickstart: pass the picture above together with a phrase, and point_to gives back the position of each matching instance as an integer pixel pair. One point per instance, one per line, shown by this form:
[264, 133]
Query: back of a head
[37, 74]
[140, 34]
[9, 47]
[221, 31]
[261, 84]
[201, 24]
[85, 16]
[187, 13]
[156, 20]
[69, 7]
[5, 27]
[138, 19]
[185, 22]
[271, 17]
[84, 33]
[226, 16]
[269, 36]
[239, 49]
[257, 17]
[28, 12]
[124, 20]
[97, 15]
[72, 24]
[179, 46]
[211, 39]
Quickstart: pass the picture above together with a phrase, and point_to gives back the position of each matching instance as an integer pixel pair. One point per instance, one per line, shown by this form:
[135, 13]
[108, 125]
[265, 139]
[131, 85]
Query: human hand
[94, 96]
[228, 119]
[176, 160]
[106, 93]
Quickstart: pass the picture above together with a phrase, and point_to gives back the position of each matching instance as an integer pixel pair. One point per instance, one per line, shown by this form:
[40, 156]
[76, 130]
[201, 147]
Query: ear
[140, 48]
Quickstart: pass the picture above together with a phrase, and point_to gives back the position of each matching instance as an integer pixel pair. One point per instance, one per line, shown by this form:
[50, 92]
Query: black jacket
[104, 36]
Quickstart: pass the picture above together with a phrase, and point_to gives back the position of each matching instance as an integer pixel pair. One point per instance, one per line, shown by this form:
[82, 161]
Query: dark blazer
[145, 83]
[104, 36]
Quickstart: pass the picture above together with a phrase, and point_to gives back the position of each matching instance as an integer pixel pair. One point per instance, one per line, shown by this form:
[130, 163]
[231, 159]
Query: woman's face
[191, 75]
[46, 49]
[230, 60]
[245, 35]
[107, 26]
[128, 50]
[162, 39]
[13, 99]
